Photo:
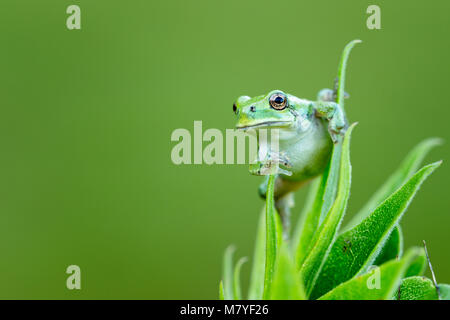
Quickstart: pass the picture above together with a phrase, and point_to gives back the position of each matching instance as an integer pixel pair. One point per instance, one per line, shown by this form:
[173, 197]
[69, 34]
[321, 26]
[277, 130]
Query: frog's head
[271, 110]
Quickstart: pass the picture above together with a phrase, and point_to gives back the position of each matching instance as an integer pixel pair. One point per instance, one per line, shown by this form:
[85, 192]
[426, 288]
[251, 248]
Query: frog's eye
[234, 108]
[278, 101]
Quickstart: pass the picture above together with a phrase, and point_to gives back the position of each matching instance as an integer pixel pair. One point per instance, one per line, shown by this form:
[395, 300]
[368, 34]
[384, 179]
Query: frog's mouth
[265, 124]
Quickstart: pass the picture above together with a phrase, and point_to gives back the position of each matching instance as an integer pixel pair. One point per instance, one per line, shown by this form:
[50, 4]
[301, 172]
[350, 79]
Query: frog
[307, 131]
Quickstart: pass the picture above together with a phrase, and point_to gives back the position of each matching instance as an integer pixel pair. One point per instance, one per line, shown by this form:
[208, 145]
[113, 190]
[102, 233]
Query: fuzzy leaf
[272, 238]
[255, 291]
[309, 219]
[321, 202]
[227, 285]
[325, 236]
[286, 283]
[355, 250]
[323, 192]
[409, 165]
[444, 291]
[380, 283]
[392, 249]
[237, 279]
[416, 288]
[341, 72]
[333, 173]
[418, 266]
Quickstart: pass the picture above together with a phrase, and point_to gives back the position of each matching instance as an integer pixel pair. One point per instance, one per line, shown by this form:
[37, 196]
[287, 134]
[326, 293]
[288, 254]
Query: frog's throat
[265, 124]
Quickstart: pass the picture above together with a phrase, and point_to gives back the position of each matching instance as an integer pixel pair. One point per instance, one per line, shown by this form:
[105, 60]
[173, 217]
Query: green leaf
[333, 173]
[272, 238]
[286, 283]
[303, 225]
[341, 72]
[221, 294]
[444, 291]
[325, 236]
[379, 283]
[310, 217]
[418, 266]
[227, 285]
[392, 249]
[255, 291]
[416, 288]
[355, 250]
[409, 165]
[323, 192]
[237, 279]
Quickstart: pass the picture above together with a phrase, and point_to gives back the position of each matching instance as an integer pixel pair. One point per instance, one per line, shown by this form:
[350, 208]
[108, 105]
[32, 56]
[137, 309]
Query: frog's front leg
[334, 114]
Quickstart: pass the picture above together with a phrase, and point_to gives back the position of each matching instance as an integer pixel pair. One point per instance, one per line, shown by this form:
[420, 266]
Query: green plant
[364, 260]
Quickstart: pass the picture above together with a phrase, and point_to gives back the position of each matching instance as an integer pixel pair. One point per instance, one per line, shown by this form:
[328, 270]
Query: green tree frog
[307, 130]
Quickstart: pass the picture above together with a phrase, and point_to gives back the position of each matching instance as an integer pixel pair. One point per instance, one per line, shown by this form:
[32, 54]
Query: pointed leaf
[325, 236]
[309, 222]
[227, 285]
[333, 172]
[323, 192]
[409, 165]
[286, 283]
[418, 266]
[380, 283]
[341, 72]
[237, 279]
[392, 249]
[355, 250]
[416, 288]
[221, 294]
[255, 291]
[272, 238]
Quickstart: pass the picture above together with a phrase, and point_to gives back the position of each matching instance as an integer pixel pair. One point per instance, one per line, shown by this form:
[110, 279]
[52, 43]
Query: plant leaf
[341, 72]
[271, 238]
[255, 291]
[416, 288]
[310, 218]
[237, 279]
[381, 283]
[418, 266]
[302, 222]
[325, 236]
[333, 172]
[444, 291]
[355, 250]
[227, 284]
[286, 283]
[323, 192]
[221, 294]
[409, 165]
[392, 249]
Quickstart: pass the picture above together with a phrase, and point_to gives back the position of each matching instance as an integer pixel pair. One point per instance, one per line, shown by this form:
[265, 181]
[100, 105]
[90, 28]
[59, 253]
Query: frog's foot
[329, 95]
[336, 130]
[282, 159]
[271, 165]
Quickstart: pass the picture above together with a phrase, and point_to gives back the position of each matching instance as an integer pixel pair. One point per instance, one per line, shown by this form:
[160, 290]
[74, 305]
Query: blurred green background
[86, 118]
